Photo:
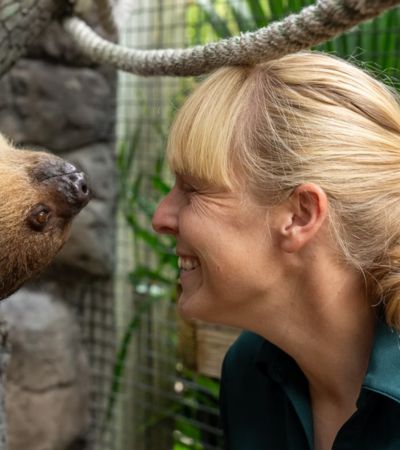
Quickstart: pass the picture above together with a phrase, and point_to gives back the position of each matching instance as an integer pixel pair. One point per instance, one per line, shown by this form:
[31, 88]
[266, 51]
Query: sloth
[40, 194]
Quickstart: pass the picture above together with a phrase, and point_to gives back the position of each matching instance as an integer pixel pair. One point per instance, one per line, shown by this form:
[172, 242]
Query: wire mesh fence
[157, 399]
[160, 403]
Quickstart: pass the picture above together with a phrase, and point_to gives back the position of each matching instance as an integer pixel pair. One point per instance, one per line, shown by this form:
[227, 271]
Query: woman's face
[226, 250]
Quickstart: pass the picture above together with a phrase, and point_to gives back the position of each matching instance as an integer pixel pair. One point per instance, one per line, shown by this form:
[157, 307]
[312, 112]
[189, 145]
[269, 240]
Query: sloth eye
[39, 217]
[42, 217]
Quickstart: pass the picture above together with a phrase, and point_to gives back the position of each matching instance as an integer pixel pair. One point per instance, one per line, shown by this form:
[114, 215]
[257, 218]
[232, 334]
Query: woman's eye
[187, 186]
[189, 189]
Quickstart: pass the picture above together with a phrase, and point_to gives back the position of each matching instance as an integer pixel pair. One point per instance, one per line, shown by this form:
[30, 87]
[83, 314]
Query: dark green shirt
[265, 401]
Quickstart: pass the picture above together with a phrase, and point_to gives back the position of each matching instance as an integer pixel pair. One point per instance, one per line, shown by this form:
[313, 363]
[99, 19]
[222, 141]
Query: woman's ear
[307, 208]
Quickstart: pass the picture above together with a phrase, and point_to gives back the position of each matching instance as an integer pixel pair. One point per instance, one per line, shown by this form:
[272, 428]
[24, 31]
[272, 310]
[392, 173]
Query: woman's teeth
[187, 263]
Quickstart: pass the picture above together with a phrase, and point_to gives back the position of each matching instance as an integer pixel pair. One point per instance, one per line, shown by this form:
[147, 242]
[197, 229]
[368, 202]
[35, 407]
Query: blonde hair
[306, 117]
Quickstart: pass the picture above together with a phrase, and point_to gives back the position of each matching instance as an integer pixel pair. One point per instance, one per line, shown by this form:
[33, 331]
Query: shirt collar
[382, 377]
[280, 367]
[274, 362]
[383, 373]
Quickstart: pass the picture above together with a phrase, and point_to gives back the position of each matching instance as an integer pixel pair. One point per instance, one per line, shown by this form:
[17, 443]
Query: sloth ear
[306, 211]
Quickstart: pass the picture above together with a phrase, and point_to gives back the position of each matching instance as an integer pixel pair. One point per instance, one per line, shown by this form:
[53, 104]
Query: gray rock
[56, 107]
[47, 401]
[55, 44]
[91, 245]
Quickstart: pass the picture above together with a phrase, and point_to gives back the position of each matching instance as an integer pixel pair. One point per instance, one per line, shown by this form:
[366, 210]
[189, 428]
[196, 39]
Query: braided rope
[313, 25]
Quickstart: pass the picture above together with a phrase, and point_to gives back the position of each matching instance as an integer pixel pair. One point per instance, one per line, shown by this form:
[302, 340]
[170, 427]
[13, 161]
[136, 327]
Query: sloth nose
[67, 186]
[75, 187]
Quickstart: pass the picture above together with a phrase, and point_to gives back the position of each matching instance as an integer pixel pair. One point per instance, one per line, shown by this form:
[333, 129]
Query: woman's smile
[187, 263]
[188, 266]
[217, 232]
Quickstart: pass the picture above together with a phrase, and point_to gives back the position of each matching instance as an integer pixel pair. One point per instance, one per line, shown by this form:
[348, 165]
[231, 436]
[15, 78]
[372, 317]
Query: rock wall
[47, 387]
[61, 326]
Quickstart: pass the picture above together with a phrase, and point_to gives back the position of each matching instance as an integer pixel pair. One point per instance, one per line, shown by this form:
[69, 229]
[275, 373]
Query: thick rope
[313, 25]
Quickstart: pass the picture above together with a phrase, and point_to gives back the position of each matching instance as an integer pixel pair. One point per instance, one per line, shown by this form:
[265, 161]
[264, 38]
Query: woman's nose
[165, 218]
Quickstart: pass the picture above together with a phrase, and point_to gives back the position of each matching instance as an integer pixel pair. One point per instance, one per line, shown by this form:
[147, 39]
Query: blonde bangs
[200, 140]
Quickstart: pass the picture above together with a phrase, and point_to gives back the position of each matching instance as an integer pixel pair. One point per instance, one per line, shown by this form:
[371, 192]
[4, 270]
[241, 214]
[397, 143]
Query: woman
[286, 213]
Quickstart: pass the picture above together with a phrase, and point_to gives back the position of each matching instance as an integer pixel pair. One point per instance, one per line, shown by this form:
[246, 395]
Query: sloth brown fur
[39, 196]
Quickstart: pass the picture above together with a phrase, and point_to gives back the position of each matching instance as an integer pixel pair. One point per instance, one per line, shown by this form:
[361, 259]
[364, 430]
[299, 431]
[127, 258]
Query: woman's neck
[328, 330]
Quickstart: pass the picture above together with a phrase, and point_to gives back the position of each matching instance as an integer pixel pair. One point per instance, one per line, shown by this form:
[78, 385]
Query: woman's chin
[188, 307]
[184, 307]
